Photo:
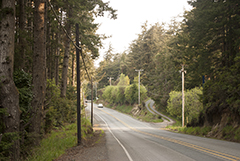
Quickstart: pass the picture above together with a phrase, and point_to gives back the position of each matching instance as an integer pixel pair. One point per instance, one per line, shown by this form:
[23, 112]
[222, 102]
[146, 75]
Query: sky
[132, 14]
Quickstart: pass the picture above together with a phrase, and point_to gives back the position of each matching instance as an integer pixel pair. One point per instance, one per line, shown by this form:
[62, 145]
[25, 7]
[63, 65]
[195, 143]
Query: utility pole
[183, 101]
[92, 102]
[78, 89]
[96, 90]
[110, 79]
[140, 70]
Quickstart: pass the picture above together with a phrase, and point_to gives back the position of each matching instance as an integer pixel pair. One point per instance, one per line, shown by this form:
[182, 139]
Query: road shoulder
[94, 149]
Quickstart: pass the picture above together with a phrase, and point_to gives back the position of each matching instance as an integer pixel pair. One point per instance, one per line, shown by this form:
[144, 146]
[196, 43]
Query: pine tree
[9, 96]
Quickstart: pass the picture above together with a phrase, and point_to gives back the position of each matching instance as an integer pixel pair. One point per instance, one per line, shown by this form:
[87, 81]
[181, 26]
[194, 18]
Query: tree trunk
[73, 69]
[65, 62]
[39, 68]
[22, 40]
[9, 96]
[57, 57]
[48, 51]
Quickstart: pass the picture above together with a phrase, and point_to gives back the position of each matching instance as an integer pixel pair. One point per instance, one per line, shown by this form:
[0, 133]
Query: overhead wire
[79, 48]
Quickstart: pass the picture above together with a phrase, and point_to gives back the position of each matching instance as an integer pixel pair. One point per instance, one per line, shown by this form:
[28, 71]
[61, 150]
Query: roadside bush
[237, 135]
[107, 93]
[120, 99]
[193, 105]
[122, 93]
[58, 110]
[131, 94]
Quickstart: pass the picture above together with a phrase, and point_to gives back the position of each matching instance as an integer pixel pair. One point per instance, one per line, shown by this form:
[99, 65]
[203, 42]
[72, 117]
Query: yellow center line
[196, 147]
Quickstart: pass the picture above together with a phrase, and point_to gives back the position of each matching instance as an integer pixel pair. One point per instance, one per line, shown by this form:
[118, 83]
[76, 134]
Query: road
[131, 140]
[166, 120]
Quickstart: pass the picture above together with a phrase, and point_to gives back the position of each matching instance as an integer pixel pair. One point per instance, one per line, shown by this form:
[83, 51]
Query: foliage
[121, 93]
[193, 105]
[131, 93]
[56, 143]
[222, 93]
[120, 98]
[199, 131]
[23, 82]
[107, 93]
[58, 110]
[123, 80]
[6, 144]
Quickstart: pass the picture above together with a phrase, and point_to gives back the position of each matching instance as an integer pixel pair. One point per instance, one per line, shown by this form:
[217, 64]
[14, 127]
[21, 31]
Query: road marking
[125, 150]
[196, 147]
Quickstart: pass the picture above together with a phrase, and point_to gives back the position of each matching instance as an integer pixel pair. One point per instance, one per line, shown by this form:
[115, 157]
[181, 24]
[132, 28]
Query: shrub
[131, 93]
[121, 93]
[58, 110]
[193, 105]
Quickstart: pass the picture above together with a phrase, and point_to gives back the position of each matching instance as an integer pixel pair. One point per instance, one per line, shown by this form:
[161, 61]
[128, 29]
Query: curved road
[149, 105]
[131, 140]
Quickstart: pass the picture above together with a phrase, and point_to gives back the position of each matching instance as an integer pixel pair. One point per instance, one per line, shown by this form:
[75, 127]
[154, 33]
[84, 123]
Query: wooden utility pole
[78, 89]
[140, 70]
[110, 79]
[183, 101]
[92, 102]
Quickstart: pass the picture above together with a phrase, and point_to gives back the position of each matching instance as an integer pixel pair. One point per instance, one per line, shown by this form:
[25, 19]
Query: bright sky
[132, 14]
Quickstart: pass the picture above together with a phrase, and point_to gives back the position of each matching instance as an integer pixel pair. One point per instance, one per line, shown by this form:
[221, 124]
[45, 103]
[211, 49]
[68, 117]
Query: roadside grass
[228, 132]
[124, 109]
[55, 144]
[147, 116]
[101, 134]
[199, 131]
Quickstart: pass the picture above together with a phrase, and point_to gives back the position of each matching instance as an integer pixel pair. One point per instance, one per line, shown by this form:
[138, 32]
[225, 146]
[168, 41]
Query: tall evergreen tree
[39, 67]
[9, 97]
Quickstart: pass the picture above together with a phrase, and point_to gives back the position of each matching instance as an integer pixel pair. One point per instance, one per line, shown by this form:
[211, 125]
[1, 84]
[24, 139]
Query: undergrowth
[55, 143]
[229, 133]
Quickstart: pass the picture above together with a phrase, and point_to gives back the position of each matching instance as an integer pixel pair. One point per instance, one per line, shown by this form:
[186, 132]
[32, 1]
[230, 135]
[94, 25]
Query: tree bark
[39, 68]
[73, 70]
[22, 40]
[65, 62]
[9, 96]
[57, 59]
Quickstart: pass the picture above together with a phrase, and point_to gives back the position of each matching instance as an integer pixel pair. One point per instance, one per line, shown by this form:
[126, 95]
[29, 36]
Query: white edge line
[125, 150]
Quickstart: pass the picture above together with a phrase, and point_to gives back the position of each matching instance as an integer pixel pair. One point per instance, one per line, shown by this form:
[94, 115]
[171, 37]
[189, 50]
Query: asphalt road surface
[131, 140]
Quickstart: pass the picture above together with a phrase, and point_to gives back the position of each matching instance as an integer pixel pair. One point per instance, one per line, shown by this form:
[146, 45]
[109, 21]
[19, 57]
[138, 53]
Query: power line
[79, 48]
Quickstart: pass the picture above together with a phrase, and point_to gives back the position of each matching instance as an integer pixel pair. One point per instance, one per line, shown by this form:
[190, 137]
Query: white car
[100, 105]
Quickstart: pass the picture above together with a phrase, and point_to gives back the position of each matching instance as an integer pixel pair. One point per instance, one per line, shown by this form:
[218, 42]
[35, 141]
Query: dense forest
[37, 66]
[38, 69]
[206, 42]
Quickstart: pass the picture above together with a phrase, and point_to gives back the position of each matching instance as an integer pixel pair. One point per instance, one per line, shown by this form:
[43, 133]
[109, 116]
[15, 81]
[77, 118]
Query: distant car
[100, 105]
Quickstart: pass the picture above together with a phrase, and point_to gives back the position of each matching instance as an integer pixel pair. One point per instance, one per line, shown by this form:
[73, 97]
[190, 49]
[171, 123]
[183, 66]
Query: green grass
[229, 132]
[149, 117]
[102, 132]
[124, 109]
[55, 144]
[199, 131]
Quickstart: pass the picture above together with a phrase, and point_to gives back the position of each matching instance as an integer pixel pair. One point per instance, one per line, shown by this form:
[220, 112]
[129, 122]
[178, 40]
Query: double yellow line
[199, 148]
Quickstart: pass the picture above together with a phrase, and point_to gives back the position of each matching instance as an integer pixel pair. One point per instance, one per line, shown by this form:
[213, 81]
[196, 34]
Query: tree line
[123, 92]
[206, 42]
[37, 66]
